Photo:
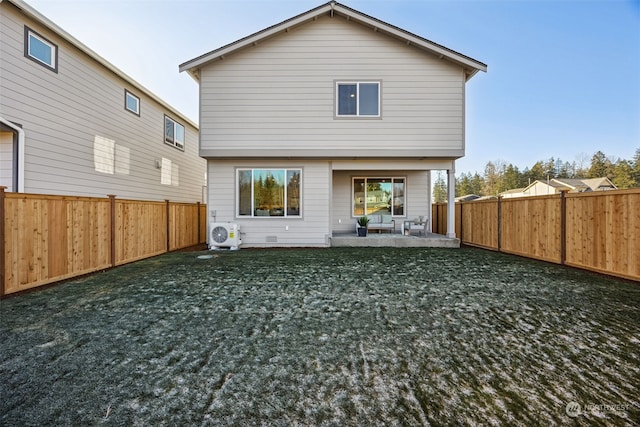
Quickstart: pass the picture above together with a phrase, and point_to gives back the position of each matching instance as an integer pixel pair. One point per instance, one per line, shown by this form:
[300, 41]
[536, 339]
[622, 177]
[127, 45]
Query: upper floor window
[358, 99]
[173, 133]
[131, 102]
[39, 49]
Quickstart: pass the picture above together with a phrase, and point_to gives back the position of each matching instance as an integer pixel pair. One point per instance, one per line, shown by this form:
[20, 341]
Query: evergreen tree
[439, 189]
[623, 175]
[600, 166]
[635, 168]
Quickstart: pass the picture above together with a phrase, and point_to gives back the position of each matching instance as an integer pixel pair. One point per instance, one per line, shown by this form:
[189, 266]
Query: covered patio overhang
[405, 164]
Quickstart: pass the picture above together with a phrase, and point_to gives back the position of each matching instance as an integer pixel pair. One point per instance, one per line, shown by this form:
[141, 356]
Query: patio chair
[420, 224]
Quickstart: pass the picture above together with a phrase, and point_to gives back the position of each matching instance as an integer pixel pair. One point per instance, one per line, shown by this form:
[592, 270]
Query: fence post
[499, 223]
[2, 237]
[563, 226]
[198, 207]
[112, 214]
[461, 222]
[168, 225]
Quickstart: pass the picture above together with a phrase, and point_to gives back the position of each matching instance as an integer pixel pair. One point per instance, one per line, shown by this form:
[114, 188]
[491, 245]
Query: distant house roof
[37, 16]
[470, 65]
[467, 198]
[513, 190]
[571, 185]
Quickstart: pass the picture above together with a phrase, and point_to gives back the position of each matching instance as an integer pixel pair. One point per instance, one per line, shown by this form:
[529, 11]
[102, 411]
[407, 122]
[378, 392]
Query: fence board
[141, 230]
[47, 238]
[531, 227]
[479, 223]
[601, 229]
[603, 232]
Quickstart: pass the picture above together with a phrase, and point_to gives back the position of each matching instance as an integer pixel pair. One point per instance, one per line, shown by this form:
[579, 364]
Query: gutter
[20, 165]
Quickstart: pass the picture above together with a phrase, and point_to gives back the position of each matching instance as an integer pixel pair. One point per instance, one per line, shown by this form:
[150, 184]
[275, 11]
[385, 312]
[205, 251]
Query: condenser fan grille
[219, 234]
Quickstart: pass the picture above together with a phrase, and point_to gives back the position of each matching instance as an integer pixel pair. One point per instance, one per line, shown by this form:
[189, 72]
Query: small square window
[358, 99]
[40, 50]
[173, 133]
[131, 102]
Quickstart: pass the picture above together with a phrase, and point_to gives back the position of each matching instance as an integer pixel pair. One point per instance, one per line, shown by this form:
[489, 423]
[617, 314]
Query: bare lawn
[324, 337]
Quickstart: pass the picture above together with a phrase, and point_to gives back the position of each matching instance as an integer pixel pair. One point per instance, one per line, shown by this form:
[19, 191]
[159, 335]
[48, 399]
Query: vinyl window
[378, 196]
[131, 103]
[173, 133]
[358, 99]
[40, 50]
[269, 192]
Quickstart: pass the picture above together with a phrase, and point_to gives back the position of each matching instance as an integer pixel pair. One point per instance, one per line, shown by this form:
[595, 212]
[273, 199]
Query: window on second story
[173, 133]
[40, 50]
[358, 99]
[131, 103]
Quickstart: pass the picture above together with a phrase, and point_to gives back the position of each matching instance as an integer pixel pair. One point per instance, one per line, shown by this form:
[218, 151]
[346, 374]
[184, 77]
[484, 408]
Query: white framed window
[131, 103]
[357, 99]
[173, 133]
[40, 50]
[378, 196]
[269, 192]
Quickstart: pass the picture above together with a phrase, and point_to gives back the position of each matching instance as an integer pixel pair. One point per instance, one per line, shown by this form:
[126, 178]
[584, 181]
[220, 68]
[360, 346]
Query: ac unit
[224, 235]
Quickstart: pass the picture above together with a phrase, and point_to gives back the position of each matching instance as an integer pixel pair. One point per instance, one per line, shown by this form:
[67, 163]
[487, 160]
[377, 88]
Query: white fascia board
[412, 39]
[254, 38]
[469, 64]
[37, 16]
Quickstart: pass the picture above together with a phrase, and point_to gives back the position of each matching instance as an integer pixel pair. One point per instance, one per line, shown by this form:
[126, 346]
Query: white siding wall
[279, 95]
[62, 114]
[310, 230]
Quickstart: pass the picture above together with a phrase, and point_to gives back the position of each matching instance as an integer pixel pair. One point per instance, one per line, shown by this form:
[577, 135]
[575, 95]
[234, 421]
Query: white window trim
[357, 115]
[392, 178]
[28, 33]
[253, 215]
[173, 142]
[128, 94]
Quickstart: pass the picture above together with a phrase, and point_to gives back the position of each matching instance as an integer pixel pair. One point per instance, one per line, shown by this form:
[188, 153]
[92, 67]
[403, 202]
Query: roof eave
[43, 20]
[470, 65]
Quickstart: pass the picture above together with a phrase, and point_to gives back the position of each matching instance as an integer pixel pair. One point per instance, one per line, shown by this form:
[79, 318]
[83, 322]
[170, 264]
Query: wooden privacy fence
[598, 231]
[48, 238]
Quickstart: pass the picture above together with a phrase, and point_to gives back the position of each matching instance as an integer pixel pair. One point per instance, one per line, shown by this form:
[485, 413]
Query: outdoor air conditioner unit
[224, 235]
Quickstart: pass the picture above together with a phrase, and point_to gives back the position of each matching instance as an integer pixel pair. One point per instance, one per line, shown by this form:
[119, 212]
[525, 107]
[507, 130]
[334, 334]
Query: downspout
[20, 164]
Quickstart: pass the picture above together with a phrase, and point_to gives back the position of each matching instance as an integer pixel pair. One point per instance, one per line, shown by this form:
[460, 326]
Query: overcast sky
[563, 77]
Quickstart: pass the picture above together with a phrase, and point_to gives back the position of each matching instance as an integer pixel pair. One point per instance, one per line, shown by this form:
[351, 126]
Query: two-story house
[71, 123]
[322, 118]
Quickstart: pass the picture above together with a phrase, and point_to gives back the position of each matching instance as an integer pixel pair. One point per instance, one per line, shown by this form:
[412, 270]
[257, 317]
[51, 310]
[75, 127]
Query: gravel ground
[325, 337]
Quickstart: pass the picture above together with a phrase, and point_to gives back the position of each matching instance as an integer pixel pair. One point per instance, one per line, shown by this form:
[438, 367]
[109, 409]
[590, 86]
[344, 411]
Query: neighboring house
[327, 116]
[467, 198]
[556, 185]
[71, 123]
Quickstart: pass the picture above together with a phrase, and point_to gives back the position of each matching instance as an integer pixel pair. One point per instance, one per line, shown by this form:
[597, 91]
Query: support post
[451, 206]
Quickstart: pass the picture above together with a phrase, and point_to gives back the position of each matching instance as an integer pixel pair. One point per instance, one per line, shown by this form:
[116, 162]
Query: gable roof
[332, 8]
[44, 21]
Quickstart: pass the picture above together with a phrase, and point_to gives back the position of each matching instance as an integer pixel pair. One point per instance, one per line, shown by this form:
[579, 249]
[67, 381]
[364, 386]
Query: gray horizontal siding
[62, 113]
[309, 230]
[280, 93]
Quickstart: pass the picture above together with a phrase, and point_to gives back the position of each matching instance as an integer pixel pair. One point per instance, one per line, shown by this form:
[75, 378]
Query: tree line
[499, 176]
